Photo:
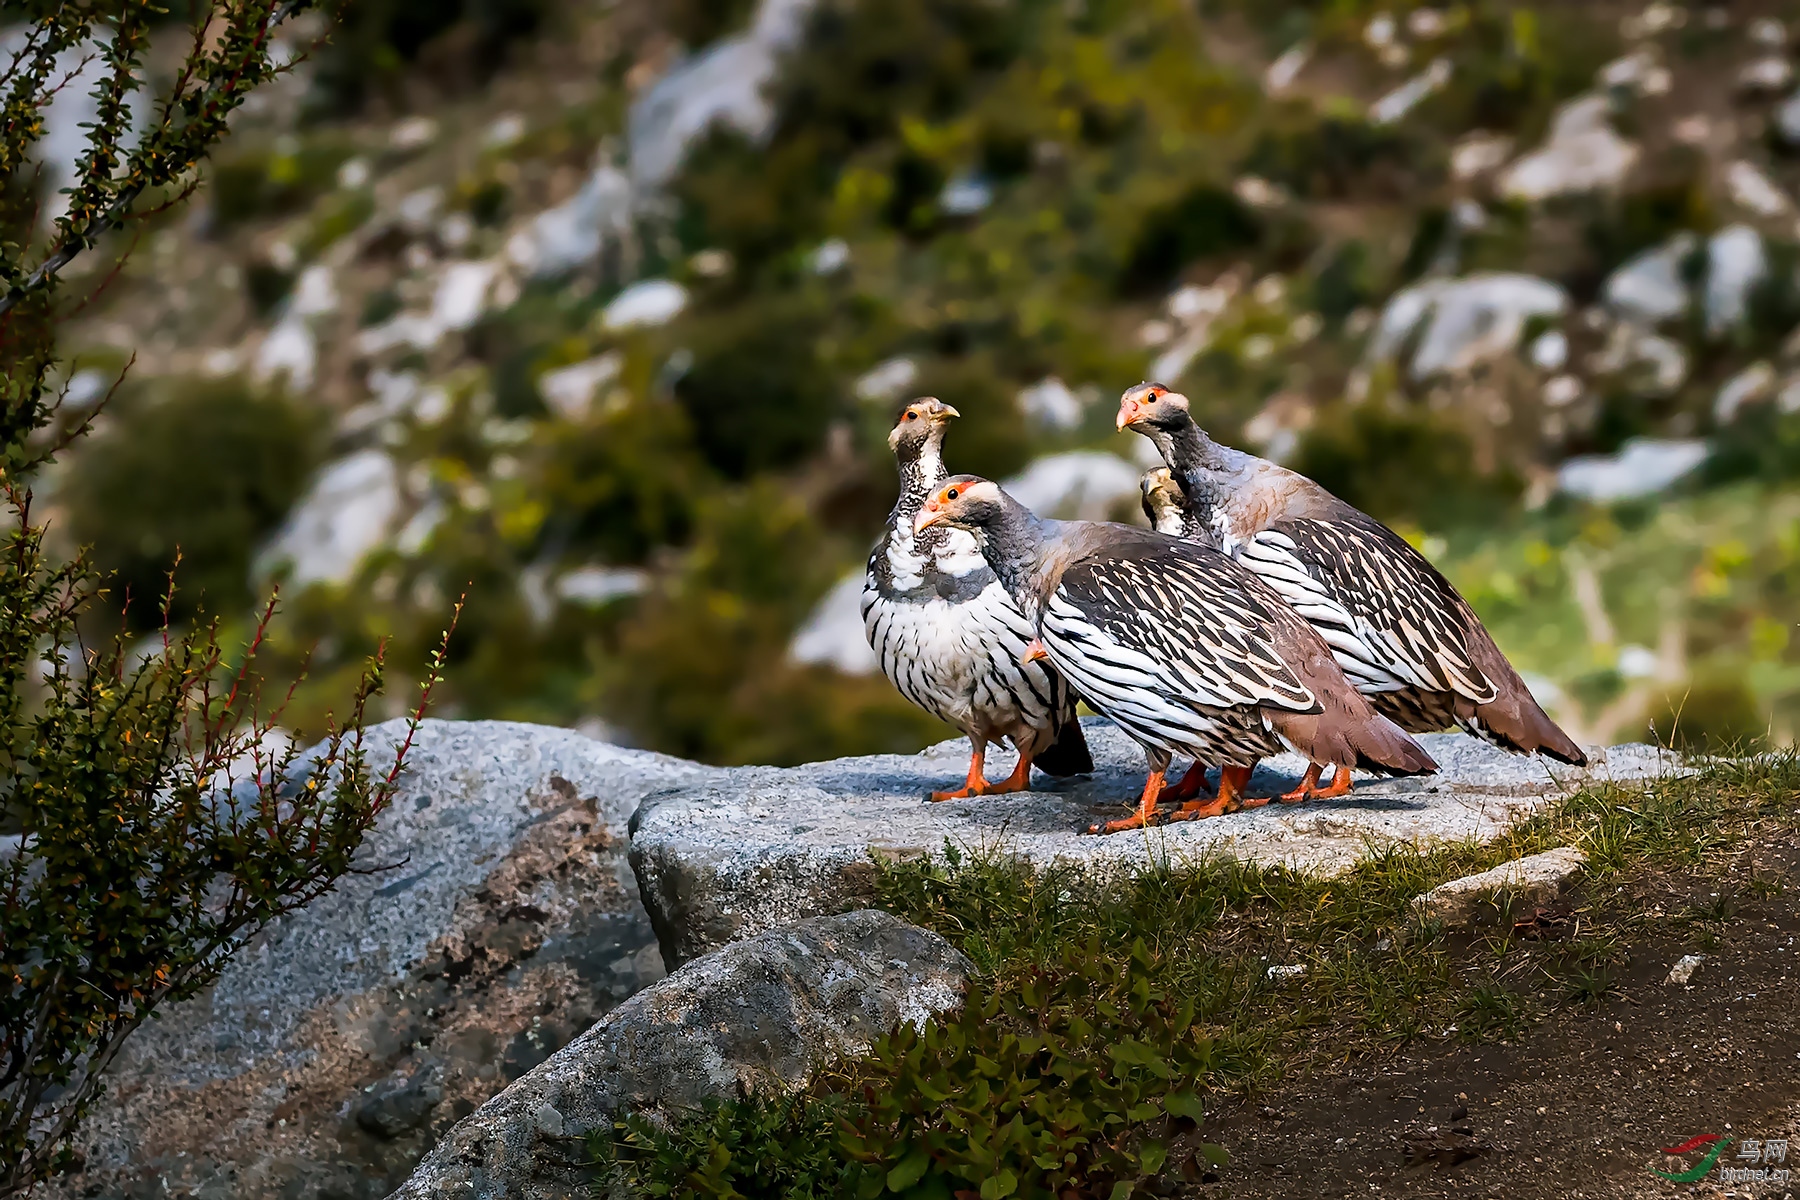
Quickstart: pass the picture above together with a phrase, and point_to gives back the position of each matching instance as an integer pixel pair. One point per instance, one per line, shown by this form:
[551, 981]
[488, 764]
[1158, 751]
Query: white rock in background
[1753, 190]
[1550, 351]
[1582, 154]
[1282, 73]
[418, 210]
[1787, 400]
[1050, 403]
[646, 303]
[570, 390]
[289, 351]
[886, 380]
[1084, 485]
[965, 195]
[415, 535]
[1403, 99]
[1379, 32]
[1735, 263]
[724, 84]
[1631, 71]
[1766, 76]
[1755, 382]
[354, 173]
[1630, 345]
[462, 294]
[1467, 321]
[1649, 287]
[596, 586]
[1479, 153]
[1787, 120]
[571, 235]
[413, 133]
[503, 131]
[348, 512]
[1426, 23]
[833, 634]
[1767, 31]
[1560, 391]
[315, 293]
[1195, 309]
[85, 387]
[831, 256]
[1638, 662]
[1643, 467]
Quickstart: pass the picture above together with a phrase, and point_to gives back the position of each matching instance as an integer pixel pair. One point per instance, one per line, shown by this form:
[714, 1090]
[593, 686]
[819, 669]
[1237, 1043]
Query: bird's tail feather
[1068, 754]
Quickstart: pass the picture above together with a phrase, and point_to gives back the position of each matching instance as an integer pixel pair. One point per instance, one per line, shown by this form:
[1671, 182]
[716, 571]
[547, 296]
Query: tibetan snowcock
[950, 637]
[1402, 634]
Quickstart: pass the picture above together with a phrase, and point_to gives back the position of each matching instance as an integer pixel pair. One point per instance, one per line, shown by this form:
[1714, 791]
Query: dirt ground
[1580, 1104]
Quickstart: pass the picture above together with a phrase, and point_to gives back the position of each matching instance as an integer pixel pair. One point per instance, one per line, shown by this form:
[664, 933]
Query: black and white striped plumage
[1393, 627]
[1401, 633]
[947, 634]
[1178, 646]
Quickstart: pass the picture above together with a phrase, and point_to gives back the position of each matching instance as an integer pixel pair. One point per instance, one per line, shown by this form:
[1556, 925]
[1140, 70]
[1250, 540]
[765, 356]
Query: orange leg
[1191, 785]
[1232, 781]
[1018, 781]
[1309, 788]
[976, 784]
[1153, 785]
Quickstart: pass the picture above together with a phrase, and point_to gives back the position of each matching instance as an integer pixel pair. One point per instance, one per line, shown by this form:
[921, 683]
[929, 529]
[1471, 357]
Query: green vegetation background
[732, 460]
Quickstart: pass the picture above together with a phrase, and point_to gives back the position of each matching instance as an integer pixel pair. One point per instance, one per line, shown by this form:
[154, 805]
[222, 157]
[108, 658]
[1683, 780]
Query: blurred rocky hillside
[600, 311]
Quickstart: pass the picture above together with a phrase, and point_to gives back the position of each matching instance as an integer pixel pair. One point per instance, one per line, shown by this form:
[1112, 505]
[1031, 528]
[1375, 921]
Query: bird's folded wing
[1391, 619]
[1181, 622]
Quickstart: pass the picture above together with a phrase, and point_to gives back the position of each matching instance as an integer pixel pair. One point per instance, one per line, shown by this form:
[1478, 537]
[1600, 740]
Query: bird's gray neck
[1017, 549]
[921, 469]
[1202, 467]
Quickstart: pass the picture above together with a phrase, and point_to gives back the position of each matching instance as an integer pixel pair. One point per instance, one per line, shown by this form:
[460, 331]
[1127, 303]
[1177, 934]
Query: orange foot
[1229, 800]
[976, 785]
[1191, 785]
[1309, 788]
[1018, 781]
[1153, 785]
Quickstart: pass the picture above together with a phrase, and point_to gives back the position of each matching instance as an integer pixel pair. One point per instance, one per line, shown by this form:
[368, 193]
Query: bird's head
[1151, 406]
[964, 502]
[1163, 500]
[918, 421]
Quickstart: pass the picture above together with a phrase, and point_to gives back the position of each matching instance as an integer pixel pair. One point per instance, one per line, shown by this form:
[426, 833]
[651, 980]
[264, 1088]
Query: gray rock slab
[1535, 880]
[338, 1046]
[749, 849]
[762, 1014]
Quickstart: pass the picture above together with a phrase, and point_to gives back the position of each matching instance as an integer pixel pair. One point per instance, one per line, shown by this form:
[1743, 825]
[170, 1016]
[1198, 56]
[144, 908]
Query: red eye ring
[911, 415]
[951, 494]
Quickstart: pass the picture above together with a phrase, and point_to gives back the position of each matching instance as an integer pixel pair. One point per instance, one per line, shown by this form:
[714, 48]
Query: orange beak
[1129, 412]
[928, 516]
[1034, 652]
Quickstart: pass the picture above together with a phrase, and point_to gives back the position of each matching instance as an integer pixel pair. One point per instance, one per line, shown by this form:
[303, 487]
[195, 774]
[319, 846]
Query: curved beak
[928, 516]
[945, 412]
[1033, 652]
[1129, 412]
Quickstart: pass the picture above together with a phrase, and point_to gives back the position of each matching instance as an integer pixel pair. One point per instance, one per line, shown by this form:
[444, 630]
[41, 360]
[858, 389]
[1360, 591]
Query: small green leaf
[1185, 1104]
[908, 1171]
[1005, 1183]
[1215, 1154]
[1153, 1155]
